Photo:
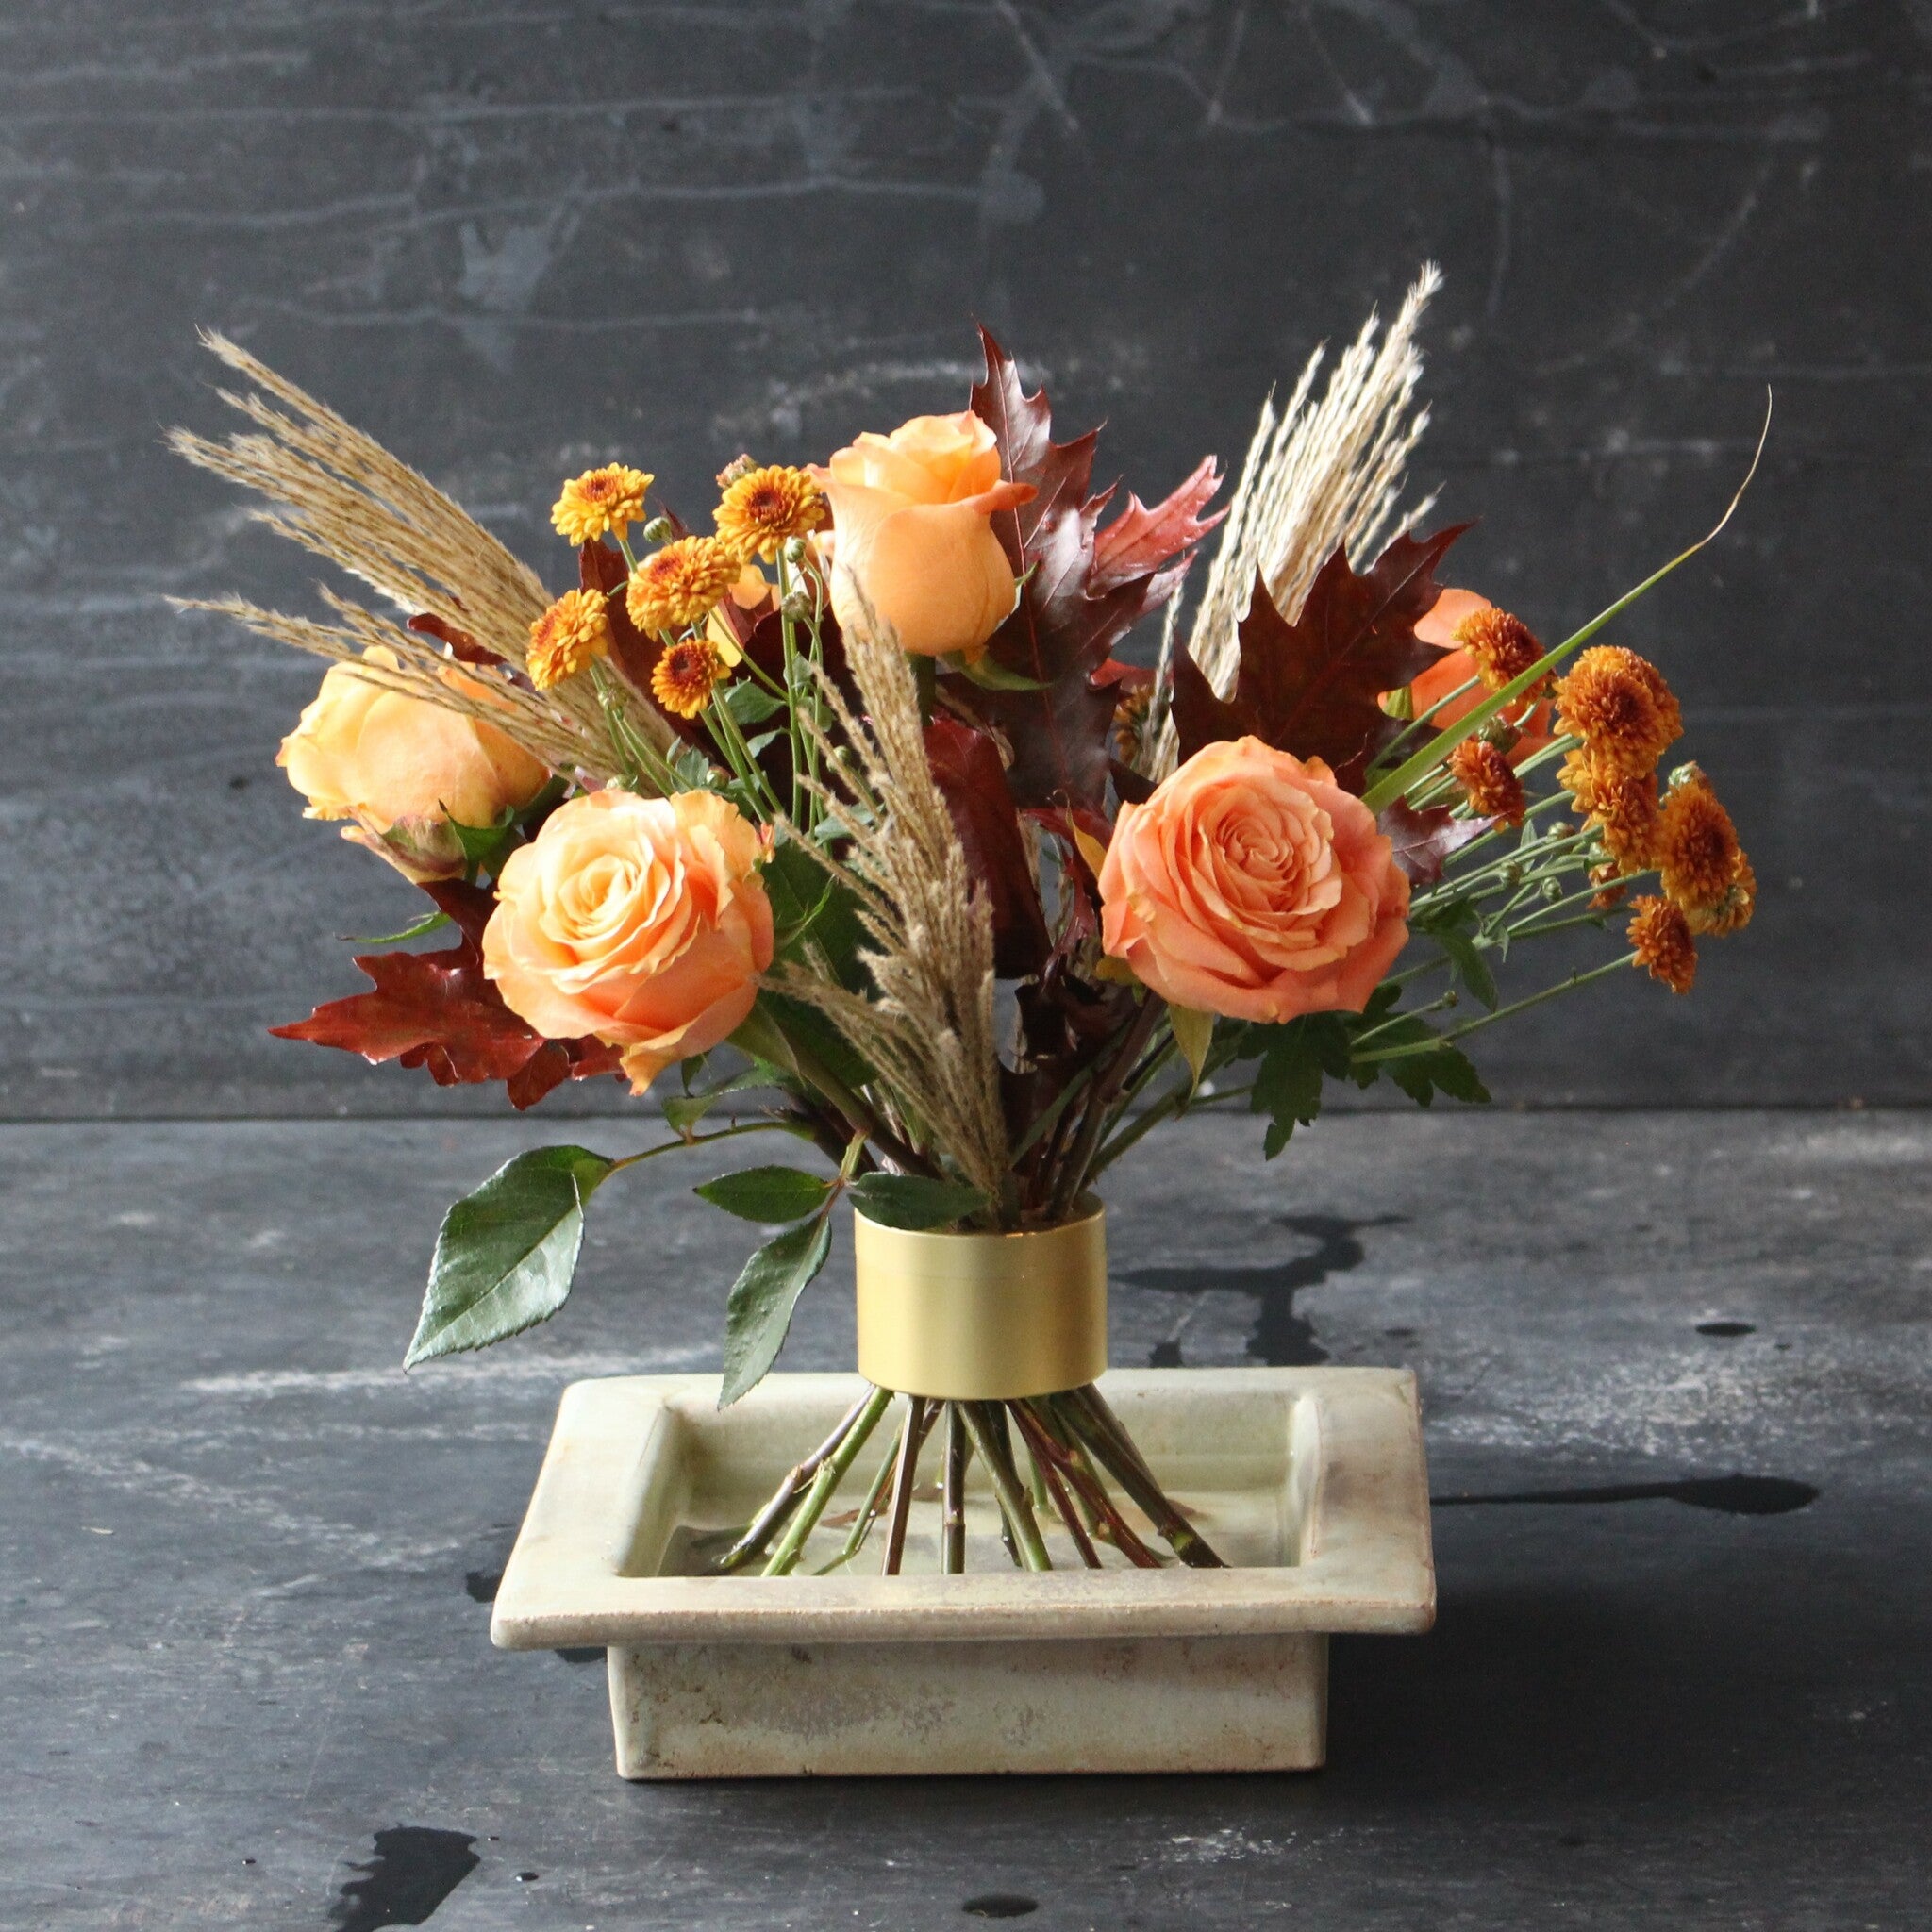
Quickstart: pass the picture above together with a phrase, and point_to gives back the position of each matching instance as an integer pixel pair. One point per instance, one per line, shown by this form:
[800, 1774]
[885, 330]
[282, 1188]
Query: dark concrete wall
[513, 239]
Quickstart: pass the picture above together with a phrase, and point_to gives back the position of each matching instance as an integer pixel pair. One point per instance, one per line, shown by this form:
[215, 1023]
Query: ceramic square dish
[1309, 1481]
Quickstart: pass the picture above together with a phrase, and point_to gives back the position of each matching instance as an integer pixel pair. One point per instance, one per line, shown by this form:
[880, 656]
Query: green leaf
[692, 768]
[428, 924]
[1287, 1082]
[1425, 1071]
[770, 1194]
[1469, 966]
[750, 703]
[990, 674]
[1193, 1033]
[760, 1310]
[683, 1111]
[788, 1034]
[486, 846]
[911, 1201]
[809, 903]
[505, 1254]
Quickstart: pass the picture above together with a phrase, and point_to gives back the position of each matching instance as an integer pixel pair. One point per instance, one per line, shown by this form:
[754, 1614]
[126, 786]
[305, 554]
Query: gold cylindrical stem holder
[982, 1317]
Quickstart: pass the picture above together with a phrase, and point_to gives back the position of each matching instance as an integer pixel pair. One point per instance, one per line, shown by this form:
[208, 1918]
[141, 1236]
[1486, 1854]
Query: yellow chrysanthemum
[1661, 936]
[684, 677]
[600, 503]
[762, 507]
[567, 636]
[676, 587]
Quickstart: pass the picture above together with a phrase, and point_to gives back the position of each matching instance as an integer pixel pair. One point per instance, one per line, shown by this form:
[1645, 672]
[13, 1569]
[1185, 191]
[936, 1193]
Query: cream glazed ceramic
[1309, 1481]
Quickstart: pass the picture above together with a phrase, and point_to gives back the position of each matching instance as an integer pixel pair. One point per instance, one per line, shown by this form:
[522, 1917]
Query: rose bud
[916, 551]
[401, 768]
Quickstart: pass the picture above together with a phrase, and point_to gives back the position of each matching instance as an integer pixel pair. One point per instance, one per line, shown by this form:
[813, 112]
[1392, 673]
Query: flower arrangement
[857, 786]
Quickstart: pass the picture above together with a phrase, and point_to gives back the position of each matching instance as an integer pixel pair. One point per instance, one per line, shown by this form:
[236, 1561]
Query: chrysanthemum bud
[739, 466]
[659, 530]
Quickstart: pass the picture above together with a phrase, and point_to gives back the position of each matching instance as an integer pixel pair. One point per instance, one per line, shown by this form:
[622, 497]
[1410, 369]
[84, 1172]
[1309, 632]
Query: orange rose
[642, 921]
[402, 768]
[1253, 886]
[1456, 666]
[913, 517]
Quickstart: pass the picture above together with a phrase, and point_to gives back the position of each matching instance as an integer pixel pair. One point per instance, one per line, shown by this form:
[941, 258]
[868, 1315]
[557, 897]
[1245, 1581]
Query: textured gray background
[515, 239]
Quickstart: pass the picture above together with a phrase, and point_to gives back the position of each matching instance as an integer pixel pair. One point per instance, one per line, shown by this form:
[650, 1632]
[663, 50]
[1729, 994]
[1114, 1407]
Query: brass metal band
[982, 1317]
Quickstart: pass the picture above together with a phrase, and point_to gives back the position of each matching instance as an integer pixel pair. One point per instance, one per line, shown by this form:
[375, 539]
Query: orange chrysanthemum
[567, 636]
[677, 586]
[761, 508]
[1619, 807]
[1501, 646]
[600, 503]
[1612, 892]
[1486, 774]
[1740, 902]
[1698, 853]
[683, 679]
[1661, 936]
[1619, 705]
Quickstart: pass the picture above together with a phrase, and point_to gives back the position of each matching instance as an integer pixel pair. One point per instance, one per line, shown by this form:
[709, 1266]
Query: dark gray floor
[243, 1558]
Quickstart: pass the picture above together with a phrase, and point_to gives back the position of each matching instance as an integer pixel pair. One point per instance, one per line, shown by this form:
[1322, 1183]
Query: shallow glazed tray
[1309, 1481]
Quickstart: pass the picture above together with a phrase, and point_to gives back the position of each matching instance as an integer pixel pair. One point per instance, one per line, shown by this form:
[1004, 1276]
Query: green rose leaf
[911, 1201]
[760, 1310]
[770, 1194]
[505, 1254]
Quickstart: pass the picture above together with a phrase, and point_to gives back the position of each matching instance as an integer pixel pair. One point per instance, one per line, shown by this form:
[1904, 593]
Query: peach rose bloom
[913, 513]
[401, 768]
[642, 921]
[1253, 886]
[1456, 667]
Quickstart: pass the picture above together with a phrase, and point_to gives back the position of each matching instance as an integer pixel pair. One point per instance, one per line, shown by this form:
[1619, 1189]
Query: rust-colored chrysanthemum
[1698, 853]
[676, 587]
[1501, 646]
[761, 508]
[1619, 807]
[567, 636]
[1740, 902]
[1494, 790]
[1611, 892]
[1130, 722]
[1661, 936]
[1619, 705]
[600, 503]
[684, 677]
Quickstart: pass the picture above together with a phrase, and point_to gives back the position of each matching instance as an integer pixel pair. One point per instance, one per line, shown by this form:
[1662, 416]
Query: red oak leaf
[1313, 687]
[464, 647]
[436, 1010]
[1141, 539]
[1424, 842]
[1080, 593]
[966, 768]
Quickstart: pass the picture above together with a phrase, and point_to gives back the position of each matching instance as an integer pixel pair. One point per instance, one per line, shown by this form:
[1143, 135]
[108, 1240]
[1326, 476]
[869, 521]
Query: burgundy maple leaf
[1314, 686]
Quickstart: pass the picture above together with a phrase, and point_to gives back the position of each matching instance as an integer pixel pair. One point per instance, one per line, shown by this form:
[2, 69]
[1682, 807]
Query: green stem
[1007, 1487]
[764, 1525]
[831, 1472]
[953, 1493]
[1535, 999]
[867, 1514]
[1091, 1418]
[797, 1128]
[1386, 790]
